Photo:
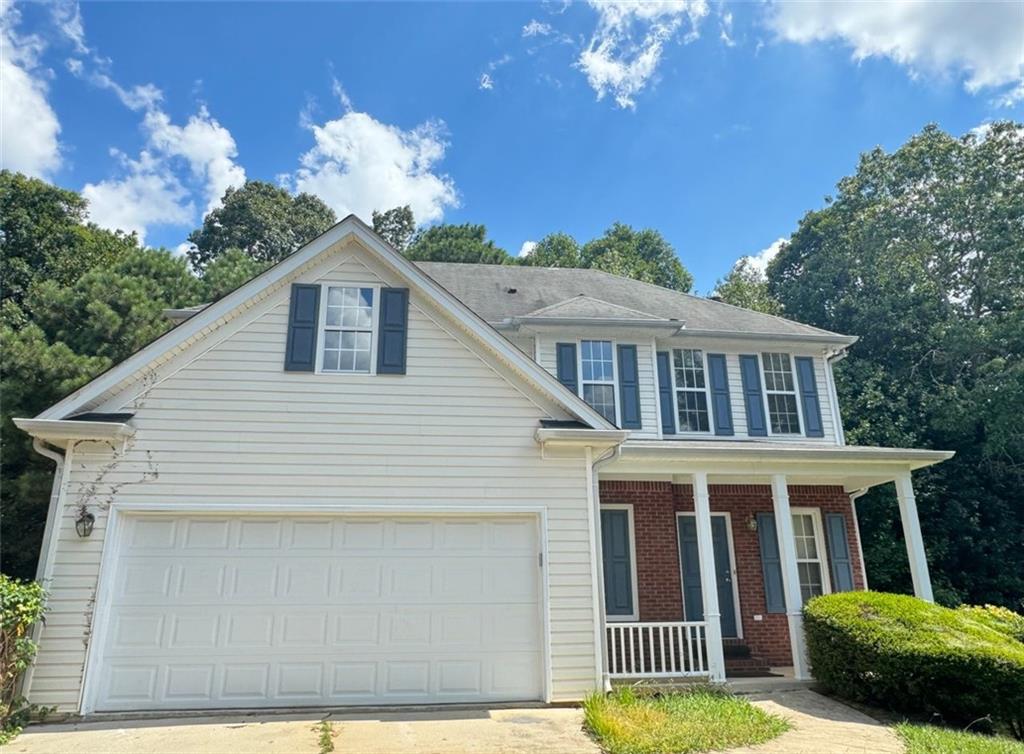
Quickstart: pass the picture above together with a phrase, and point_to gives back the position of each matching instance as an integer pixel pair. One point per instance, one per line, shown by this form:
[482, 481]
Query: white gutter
[753, 451]
[59, 432]
[597, 557]
[580, 438]
[843, 340]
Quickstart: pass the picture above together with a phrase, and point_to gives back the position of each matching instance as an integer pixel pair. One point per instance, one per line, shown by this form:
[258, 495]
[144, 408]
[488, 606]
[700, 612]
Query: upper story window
[348, 329]
[780, 392]
[597, 370]
[691, 390]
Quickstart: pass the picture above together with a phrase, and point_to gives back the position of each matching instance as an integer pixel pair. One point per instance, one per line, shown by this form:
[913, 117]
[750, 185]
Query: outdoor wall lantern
[752, 523]
[84, 523]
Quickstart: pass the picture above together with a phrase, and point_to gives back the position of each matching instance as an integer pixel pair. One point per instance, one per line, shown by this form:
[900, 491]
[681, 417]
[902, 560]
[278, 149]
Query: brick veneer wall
[657, 550]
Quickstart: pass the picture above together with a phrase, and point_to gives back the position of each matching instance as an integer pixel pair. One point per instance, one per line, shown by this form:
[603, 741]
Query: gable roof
[502, 294]
[587, 307]
[204, 321]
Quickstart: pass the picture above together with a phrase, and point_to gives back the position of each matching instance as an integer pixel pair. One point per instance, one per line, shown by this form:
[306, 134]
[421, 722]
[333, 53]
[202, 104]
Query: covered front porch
[709, 550]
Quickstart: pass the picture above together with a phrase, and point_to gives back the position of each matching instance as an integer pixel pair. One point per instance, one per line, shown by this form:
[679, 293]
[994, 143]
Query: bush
[909, 655]
[22, 604]
[1001, 619]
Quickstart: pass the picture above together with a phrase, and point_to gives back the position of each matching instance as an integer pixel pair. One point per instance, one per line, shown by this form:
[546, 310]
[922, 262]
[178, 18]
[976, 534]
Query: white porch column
[708, 580]
[790, 576]
[912, 536]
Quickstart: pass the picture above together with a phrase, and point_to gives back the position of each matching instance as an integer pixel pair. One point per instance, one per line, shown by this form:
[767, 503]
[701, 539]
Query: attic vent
[716, 298]
[511, 290]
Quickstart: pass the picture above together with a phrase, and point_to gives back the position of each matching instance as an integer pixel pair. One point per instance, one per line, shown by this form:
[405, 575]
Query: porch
[705, 572]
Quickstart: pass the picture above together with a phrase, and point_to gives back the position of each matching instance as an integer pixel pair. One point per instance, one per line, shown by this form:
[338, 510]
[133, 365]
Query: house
[358, 480]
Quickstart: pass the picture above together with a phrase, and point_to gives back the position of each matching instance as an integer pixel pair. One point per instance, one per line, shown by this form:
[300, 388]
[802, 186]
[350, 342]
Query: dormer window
[780, 394]
[691, 390]
[597, 368]
[348, 330]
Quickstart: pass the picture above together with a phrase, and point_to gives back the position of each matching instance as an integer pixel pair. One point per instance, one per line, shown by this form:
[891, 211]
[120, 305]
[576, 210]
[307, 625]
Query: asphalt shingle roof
[500, 292]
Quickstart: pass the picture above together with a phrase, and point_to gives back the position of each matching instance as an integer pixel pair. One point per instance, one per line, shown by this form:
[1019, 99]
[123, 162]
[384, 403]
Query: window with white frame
[780, 393]
[597, 372]
[810, 554]
[691, 390]
[348, 329]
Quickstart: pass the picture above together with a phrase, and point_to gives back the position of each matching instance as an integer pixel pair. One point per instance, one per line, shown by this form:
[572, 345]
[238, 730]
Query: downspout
[856, 528]
[44, 566]
[598, 570]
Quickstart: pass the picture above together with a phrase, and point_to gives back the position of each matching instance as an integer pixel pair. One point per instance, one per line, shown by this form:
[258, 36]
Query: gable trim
[351, 225]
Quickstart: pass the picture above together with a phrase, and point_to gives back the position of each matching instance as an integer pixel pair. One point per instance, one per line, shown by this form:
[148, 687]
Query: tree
[921, 254]
[747, 286]
[395, 226]
[456, 243]
[554, 250]
[264, 221]
[639, 254]
[228, 271]
[44, 236]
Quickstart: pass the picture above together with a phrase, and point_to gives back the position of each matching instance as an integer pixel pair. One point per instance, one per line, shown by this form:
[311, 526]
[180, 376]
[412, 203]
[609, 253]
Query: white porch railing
[657, 650]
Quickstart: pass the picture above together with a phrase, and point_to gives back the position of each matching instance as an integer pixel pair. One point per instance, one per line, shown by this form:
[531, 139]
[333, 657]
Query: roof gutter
[842, 340]
[598, 439]
[60, 432]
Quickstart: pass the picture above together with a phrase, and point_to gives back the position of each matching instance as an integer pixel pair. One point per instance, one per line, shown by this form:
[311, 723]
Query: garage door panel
[276, 611]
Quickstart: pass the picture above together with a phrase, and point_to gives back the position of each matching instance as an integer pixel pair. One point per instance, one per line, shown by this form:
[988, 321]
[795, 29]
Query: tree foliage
[263, 220]
[747, 286]
[465, 243]
[921, 254]
[396, 226]
[554, 250]
[639, 254]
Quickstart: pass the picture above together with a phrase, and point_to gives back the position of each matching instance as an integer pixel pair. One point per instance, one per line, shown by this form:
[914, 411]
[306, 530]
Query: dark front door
[689, 561]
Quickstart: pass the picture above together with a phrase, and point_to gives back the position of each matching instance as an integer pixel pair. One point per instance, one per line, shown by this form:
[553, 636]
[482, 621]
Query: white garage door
[269, 612]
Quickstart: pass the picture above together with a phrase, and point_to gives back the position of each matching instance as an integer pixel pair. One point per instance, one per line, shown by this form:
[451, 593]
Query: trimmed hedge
[912, 656]
[1001, 619]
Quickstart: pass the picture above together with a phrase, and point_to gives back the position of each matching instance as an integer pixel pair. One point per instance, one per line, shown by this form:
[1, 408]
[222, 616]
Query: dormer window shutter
[753, 401]
[809, 401]
[303, 323]
[629, 387]
[393, 330]
[565, 364]
[720, 402]
[668, 419]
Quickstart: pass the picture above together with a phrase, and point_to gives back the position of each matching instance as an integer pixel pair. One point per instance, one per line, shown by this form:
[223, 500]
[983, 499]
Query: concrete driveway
[464, 731]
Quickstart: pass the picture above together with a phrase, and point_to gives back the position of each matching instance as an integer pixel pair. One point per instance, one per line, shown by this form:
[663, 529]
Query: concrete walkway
[820, 726]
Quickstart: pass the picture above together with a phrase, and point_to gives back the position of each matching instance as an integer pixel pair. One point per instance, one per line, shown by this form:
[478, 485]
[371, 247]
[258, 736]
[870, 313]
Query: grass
[929, 739]
[326, 739]
[628, 722]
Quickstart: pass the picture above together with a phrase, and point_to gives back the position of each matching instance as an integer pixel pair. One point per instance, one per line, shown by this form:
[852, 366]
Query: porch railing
[657, 650]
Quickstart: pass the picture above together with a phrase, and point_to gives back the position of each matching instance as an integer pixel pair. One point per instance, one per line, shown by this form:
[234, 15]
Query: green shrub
[1001, 619]
[22, 604]
[910, 655]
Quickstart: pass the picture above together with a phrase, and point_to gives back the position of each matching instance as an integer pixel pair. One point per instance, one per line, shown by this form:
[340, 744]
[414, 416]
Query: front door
[689, 561]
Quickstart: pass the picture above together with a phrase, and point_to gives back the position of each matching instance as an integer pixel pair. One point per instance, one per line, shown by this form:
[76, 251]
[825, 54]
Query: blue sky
[718, 124]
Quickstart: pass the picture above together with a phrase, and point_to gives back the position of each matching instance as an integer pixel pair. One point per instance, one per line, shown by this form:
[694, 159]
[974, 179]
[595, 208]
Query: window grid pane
[808, 559]
[598, 376]
[691, 390]
[780, 392]
[602, 399]
[348, 329]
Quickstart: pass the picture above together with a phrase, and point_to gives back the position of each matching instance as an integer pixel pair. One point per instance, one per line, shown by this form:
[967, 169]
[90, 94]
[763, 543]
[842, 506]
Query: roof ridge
[558, 304]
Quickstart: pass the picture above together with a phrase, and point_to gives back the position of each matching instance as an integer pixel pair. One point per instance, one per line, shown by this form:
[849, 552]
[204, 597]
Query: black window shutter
[771, 564]
[617, 562]
[629, 387]
[809, 400]
[303, 323]
[839, 552]
[565, 358]
[750, 373]
[393, 330]
[668, 419]
[721, 404]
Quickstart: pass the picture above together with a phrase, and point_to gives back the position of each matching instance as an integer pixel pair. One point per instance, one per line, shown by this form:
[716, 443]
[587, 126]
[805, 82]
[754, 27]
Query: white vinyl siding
[230, 427]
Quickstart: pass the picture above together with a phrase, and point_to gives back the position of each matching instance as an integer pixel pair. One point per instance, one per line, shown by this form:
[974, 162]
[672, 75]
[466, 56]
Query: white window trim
[819, 542]
[675, 392]
[732, 566]
[615, 373]
[322, 325]
[795, 392]
[635, 615]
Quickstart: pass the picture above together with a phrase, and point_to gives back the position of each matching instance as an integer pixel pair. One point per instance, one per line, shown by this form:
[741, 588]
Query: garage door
[274, 612]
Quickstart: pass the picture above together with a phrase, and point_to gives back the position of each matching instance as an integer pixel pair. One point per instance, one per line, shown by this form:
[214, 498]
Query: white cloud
[28, 124]
[486, 82]
[149, 194]
[984, 42]
[527, 248]
[760, 260]
[536, 29]
[626, 48]
[205, 144]
[359, 164]
[725, 30]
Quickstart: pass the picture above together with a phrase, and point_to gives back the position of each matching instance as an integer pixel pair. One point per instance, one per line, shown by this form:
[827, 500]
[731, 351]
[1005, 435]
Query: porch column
[790, 576]
[912, 536]
[708, 580]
